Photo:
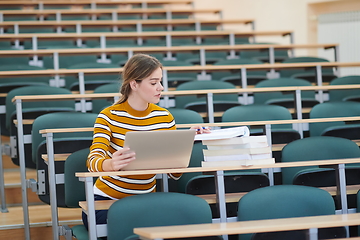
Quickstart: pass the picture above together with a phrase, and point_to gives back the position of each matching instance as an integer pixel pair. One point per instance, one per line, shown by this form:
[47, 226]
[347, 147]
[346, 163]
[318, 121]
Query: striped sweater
[109, 132]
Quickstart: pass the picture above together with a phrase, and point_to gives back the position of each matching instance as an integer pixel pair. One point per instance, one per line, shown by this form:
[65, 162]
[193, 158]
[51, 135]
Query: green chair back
[284, 201]
[8, 84]
[333, 109]
[155, 209]
[20, 66]
[66, 105]
[14, 61]
[307, 73]
[345, 94]
[281, 133]
[92, 81]
[189, 100]
[263, 54]
[286, 99]
[234, 182]
[61, 120]
[177, 78]
[317, 148]
[186, 116]
[75, 189]
[100, 104]
[196, 158]
[234, 75]
[66, 142]
[31, 110]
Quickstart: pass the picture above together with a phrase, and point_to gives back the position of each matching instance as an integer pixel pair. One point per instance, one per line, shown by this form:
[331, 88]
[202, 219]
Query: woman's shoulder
[116, 107]
[155, 107]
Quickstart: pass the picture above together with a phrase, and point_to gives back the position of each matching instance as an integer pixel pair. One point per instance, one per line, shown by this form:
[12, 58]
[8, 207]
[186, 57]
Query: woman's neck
[137, 104]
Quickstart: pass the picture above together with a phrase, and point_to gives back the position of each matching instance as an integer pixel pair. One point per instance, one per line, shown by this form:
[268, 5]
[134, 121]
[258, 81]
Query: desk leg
[89, 184]
[52, 185]
[220, 197]
[21, 149]
[313, 234]
[2, 182]
[244, 85]
[270, 170]
[341, 190]
[341, 187]
[165, 182]
[210, 107]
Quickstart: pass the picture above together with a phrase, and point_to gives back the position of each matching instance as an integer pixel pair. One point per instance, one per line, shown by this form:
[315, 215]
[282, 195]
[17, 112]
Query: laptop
[160, 149]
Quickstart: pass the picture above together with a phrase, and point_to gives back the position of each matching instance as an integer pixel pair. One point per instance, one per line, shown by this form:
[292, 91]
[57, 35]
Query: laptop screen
[160, 149]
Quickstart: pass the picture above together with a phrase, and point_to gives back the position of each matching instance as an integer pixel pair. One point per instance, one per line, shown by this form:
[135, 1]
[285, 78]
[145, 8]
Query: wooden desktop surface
[132, 22]
[243, 227]
[196, 68]
[211, 198]
[88, 2]
[90, 11]
[220, 168]
[29, 98]
[96, 35]
[73, 51]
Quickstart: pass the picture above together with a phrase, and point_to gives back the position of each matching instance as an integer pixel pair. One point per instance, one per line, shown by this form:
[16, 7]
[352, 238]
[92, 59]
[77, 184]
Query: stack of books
[241, 150]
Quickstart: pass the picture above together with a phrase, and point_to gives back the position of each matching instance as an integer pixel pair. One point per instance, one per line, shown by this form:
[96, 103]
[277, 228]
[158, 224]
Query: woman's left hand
[201, 129]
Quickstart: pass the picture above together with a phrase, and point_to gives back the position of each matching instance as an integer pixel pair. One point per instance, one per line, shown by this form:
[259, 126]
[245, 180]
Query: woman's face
[149, 89]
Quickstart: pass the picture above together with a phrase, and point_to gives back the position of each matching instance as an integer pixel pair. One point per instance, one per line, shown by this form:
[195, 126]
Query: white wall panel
[342, 28]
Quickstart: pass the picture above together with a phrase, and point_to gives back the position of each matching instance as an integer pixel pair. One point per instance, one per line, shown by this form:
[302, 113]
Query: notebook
[160, 149]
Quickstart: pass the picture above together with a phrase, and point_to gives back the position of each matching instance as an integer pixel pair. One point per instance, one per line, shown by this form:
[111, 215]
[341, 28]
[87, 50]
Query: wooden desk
[208, 92]
[219, 178]
[243, 227]
[95, 13]
[161, 49]
[198, 68]
[41, 4]
[166, 50]
[137, 35]
[17, 26]
[211, 198]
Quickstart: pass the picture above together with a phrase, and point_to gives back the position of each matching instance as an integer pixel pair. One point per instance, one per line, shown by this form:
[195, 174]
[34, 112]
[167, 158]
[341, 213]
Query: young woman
[135, 111]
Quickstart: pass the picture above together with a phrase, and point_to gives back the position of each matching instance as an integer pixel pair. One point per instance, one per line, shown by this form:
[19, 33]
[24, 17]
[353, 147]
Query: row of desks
[196, 68]
[90, 3]
[258, 226]
[57, 74]
[138, 23]
[18, 100]
[92, 13]
[89, 206]
[166, 35]
[168, 51]
[219, 178]
[209, 96]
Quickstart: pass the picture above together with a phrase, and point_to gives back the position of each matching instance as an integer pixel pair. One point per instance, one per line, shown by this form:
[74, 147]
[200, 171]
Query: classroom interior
[287, 70]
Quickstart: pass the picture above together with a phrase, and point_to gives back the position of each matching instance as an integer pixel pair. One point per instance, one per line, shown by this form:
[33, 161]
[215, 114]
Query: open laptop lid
[160, 149]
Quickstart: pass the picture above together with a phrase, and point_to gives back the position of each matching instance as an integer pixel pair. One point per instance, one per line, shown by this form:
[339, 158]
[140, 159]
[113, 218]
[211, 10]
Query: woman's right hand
[120, 159]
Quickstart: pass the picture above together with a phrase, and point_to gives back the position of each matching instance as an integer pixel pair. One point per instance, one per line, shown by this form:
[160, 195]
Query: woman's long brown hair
[138, 67]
